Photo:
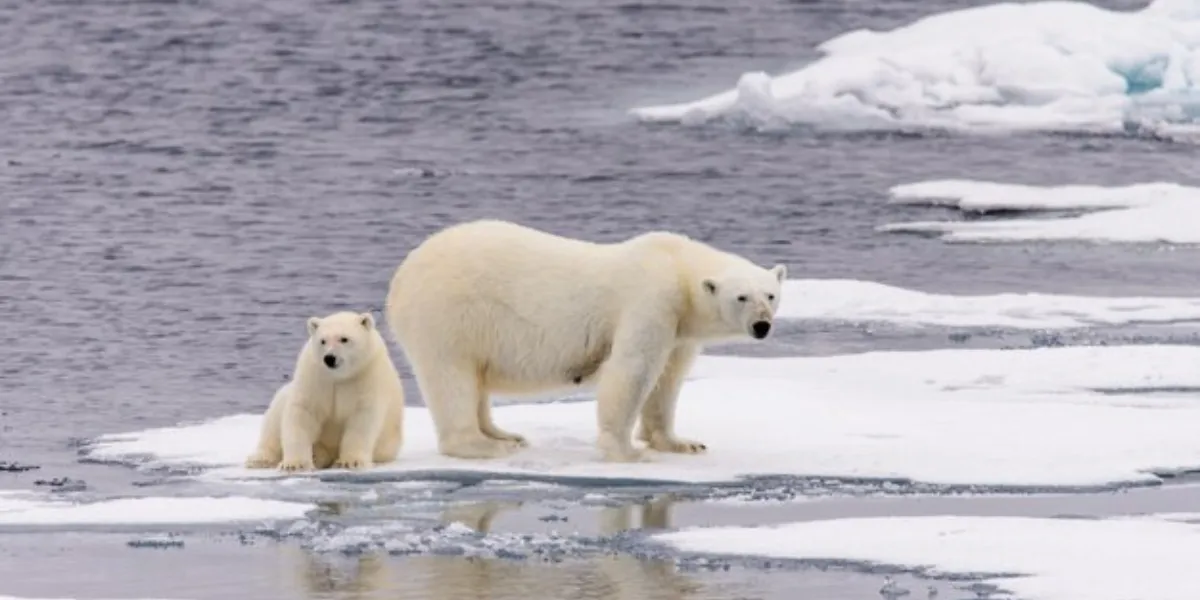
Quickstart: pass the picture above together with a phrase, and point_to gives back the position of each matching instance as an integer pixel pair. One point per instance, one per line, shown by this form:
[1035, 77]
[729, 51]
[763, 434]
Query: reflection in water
[477, 515]
[334, 576]
[614, 577]
[601, 578]
[656, 514]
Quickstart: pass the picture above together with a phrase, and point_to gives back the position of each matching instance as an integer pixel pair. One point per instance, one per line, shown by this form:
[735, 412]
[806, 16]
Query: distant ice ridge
[1147, 212]
[1034, 558]
[16, 598]
[24, 509]
[1046, 418]
[1051, 65]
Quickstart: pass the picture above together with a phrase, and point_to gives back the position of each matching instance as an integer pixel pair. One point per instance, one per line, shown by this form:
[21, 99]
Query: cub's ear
[368, 322]
[780, 272]
[313, 324]
[709, 286]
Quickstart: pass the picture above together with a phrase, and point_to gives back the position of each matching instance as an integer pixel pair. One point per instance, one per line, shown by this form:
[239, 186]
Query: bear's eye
[322, 341]
[742, 298]
[771, 297]
[344, 340]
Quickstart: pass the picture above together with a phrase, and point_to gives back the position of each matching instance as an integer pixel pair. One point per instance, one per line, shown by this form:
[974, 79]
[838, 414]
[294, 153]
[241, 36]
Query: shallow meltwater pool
[661, 547]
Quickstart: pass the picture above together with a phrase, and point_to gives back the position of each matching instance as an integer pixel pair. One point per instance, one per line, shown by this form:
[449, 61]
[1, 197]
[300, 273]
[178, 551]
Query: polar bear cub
[496, 307]
[344, 406]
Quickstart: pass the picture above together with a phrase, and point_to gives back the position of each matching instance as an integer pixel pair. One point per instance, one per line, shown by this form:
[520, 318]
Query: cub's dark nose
[761, 329]
[331, 360]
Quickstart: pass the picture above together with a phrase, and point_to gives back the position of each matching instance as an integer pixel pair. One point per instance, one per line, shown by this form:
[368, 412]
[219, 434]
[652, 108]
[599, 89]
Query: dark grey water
[184, 182]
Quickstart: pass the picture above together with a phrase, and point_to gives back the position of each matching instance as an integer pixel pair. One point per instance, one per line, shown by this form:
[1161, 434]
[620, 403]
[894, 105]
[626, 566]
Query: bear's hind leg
[451, 395]
[488, 426]
[265, 458]
[391, 434]
[388, 446]
[658, 414]
[391, 437]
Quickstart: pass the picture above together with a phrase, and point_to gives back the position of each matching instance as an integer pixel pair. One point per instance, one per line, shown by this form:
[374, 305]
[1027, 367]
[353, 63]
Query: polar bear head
[344, 342]
[746, 299]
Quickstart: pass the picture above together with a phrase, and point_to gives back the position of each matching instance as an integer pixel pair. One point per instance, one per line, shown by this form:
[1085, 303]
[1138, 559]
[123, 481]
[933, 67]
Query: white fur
[349, 416]
[495, 307]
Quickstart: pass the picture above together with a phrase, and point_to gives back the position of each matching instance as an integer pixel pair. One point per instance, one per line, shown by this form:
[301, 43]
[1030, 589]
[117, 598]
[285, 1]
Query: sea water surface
[184, 183]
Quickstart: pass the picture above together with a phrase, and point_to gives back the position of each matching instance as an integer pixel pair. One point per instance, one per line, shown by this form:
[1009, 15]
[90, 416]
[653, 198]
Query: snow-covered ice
[1148, 212]
[1050, 65]
[1069, 369]
[30, 509]
[954, 417]
[1047, 559]
[865, 301]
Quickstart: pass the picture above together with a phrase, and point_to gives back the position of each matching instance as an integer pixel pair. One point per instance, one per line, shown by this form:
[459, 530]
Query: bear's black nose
[761, 329]
[331, 361]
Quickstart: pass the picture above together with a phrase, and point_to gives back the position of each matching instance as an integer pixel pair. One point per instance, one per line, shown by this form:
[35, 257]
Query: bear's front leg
[359, 436]
[269, 452]
[639, 355]
[658, 414]
[299, 431]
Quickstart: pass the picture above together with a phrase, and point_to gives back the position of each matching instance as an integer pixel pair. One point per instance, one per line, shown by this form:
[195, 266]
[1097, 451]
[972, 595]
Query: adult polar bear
[495, 307]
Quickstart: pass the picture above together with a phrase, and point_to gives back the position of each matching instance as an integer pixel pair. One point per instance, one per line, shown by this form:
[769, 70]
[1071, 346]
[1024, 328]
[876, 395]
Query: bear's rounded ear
[367, 320]
[313, 324]
[709, 285]
[780, 272]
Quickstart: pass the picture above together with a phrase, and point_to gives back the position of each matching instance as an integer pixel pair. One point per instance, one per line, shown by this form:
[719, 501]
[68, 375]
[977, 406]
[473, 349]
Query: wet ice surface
[909, 417]
[179, 181]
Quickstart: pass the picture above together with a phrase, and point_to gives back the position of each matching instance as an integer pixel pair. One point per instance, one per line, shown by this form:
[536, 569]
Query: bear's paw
[352, 462]
[291, 466]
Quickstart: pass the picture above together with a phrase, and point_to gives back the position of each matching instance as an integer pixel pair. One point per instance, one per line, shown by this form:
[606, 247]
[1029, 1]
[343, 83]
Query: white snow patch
[1051, 65]
[145, 511]
[1057, 559]
[851, 300]
[987, 417]
[1147, 212]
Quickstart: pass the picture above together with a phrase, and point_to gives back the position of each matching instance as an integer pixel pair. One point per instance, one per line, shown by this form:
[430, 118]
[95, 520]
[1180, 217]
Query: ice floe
[865, 301]
[1034, 558]
[1051, 65]
[1019, 418]
[1149, 212]
[33, 510]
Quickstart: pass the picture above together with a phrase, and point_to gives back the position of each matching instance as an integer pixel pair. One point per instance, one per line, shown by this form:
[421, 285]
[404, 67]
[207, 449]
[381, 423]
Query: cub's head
[344, 342]
[746, 300]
